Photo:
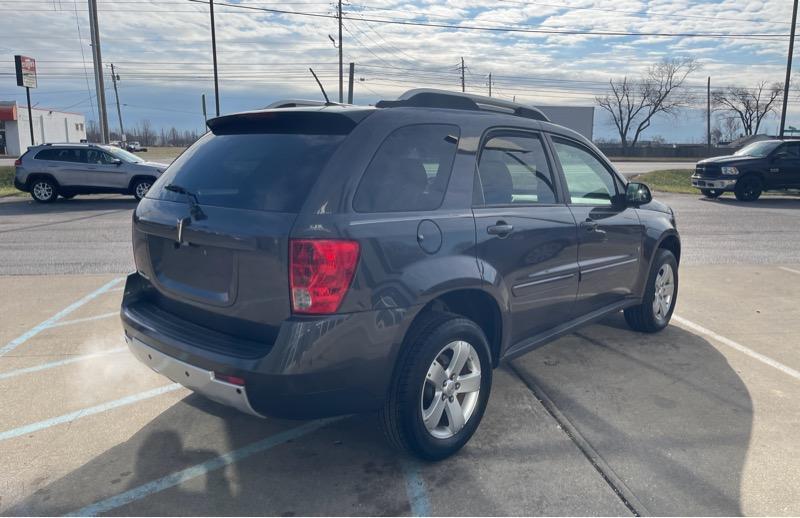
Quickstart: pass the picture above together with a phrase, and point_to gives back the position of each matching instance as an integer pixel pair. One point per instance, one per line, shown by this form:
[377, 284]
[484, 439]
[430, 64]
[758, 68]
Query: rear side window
[258, 171]
[60, 155]
[410, 170]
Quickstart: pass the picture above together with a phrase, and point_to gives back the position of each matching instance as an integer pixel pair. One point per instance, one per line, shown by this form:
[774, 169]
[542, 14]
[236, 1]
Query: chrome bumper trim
[194, 378]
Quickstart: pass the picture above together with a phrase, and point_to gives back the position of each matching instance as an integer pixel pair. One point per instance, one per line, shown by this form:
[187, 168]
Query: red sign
[26, 71]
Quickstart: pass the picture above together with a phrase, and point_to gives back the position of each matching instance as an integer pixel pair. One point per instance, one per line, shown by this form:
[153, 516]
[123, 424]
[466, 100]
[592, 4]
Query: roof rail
[295, 103]
[433, 98]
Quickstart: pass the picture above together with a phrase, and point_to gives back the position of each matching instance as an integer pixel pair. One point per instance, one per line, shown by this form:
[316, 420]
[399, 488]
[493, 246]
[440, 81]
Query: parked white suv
[65, 170]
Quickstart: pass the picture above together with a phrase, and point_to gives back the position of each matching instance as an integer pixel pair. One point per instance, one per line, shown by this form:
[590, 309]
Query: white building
[48, 126]
[577, 118]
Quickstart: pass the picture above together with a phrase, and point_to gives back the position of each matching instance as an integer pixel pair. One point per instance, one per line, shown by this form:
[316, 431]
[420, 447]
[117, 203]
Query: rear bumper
[19, 185]
[701, 182]
[316, 367]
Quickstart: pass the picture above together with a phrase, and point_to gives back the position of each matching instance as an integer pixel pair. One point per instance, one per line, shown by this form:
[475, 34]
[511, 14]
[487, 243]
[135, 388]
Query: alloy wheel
[43, 191]
[451, 389]
[141, 189]
[664, 293]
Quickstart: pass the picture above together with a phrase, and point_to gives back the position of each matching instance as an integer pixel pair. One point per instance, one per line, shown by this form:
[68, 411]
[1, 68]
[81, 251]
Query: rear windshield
[259, 171]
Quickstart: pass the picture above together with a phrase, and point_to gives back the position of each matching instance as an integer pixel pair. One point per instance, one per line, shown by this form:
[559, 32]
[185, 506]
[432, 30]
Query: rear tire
[748, 188]
[712, 193]
[660, 295]
[43, 190]
[428, 384]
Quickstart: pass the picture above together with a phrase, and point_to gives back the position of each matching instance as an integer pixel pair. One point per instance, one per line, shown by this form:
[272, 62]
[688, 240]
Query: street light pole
[341, 58]
[214, 55]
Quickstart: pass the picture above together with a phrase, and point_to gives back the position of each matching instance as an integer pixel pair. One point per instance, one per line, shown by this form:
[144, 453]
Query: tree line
[144, 133]
[633, 103]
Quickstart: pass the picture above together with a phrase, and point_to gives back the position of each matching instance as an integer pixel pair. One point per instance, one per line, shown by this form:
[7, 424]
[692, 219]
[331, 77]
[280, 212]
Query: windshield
[123, 155]
[759, 149]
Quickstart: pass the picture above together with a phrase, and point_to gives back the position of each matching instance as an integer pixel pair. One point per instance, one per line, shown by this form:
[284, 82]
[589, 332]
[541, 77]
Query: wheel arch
[475, 304]
[35, 176]
[138, 177]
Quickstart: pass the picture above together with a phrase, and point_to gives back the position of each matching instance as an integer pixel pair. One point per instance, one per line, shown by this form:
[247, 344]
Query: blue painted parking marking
[201, 469]
[78, 414]
[86, 319]
[415, 488]
[13, 344]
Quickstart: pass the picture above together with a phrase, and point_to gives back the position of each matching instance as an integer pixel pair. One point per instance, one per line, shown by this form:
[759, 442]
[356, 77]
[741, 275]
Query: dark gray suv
[312, 261]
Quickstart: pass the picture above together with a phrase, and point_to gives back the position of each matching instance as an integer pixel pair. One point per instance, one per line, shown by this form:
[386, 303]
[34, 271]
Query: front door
[527, 241]
[609, 234]
[103, 170]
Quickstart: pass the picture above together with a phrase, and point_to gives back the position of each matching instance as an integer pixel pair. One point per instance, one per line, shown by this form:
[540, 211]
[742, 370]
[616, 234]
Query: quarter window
[513, 169]
[588, 180]
[410, 170]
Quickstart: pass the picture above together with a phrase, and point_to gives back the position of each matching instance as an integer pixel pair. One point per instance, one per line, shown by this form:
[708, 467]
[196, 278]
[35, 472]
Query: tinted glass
[95, 156]
[410, 170]
[60, 155]
[513, 169]
[272, 172]
[792, 149]
[588, 180]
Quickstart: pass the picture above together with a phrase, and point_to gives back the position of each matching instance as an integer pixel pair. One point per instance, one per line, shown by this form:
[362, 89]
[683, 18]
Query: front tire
[712, 193]
[140, 188]
[748, 188]
[661, 293]
[440, 388]
[44, 190]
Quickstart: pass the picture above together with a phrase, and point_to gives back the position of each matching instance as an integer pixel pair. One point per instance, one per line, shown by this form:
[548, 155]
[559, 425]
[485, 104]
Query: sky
[560, 52]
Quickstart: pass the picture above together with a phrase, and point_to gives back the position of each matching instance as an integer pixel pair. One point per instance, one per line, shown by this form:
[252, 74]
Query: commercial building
[48, 126]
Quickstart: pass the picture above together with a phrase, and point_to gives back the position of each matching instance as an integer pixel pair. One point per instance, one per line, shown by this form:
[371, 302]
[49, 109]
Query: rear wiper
[194, 206]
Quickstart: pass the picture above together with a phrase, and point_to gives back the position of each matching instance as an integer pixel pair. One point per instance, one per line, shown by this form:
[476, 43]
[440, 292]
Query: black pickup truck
[761, 166]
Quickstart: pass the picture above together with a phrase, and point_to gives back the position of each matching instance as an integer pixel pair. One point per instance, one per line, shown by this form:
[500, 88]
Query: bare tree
[633, 103]
[145, 131]
[750, 105]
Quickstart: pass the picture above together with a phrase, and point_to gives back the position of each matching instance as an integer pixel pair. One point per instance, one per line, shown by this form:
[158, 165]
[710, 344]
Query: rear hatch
[233, 197]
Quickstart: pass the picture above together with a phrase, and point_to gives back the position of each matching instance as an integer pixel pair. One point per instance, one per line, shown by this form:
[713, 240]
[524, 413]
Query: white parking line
[58, 363]
[791, 270]
[13, 344]
[739, 347]
[72, 416]
[199, 470]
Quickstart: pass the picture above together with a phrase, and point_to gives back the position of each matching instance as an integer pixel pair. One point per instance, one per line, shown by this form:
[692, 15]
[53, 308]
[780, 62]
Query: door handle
[591, 226]
[501, 228]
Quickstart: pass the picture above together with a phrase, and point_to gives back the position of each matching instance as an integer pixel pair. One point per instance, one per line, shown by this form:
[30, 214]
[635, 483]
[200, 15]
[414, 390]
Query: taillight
[320, 271]
[18, 161]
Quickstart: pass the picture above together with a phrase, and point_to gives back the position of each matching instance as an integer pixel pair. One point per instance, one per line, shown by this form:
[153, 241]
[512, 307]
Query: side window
[588, 180]
[95, 156]
[513, 169]
[410, 170]
[793, 149]
[47, 154]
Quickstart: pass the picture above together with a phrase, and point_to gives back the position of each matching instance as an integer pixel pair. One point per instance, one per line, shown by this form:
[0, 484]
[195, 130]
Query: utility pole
[341, 58]
[98, 72]
[708, 113]
[350, 83]
[114, 79]
[203, 102]
[463, 87]
[788, 68]
[214, 55]
[490, 84]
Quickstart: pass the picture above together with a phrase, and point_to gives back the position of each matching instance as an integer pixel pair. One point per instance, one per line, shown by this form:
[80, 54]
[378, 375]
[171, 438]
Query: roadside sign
[26, 71]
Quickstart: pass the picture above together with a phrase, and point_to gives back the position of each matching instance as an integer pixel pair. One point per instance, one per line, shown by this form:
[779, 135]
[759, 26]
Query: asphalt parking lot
[699, 419]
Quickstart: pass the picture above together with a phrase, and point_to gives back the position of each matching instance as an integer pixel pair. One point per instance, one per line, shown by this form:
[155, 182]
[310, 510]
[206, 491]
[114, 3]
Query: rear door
[228, 268]
[609, 233]
[526, 235]
[784, 170]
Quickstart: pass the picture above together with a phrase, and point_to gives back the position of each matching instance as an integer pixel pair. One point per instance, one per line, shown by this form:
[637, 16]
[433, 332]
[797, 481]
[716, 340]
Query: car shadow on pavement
[666, 412]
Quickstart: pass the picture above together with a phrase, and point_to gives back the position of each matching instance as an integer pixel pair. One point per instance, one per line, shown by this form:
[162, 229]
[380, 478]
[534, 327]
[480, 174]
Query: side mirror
[638, 194]
[117, 162]
[780, 156]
